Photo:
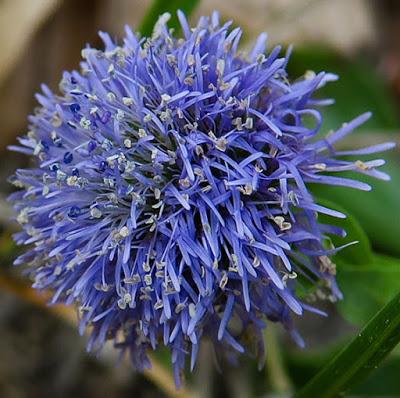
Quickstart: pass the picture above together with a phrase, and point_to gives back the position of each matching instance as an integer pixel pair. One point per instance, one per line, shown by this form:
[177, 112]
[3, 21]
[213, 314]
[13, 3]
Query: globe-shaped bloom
[169, 195]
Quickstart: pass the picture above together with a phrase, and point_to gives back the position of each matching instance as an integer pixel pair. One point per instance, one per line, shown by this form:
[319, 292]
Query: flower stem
[279, 380]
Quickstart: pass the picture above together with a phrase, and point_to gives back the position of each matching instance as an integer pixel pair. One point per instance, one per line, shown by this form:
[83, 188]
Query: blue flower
[169, 194]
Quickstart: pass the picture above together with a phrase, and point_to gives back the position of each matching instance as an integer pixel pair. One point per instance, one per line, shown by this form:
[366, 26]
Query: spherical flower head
[169, 195]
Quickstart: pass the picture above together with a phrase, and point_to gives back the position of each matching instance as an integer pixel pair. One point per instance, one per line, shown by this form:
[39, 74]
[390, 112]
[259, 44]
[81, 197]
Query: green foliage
[159, 7]
[378, 211]
[359, 253]
[360, 89]
[382, 382]
[367, 287]
[360, 357]
[368, 280]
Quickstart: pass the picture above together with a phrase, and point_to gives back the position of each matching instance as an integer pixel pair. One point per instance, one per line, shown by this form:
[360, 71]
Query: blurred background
[41, 352]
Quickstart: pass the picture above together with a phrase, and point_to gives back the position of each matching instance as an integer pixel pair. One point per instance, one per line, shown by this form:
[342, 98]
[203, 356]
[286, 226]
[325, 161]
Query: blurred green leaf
[359, 89]
[367, 287]
[7, 244]
[159, 7]
[378, 211]
[359, 253]
[384, 382]
[360, 357]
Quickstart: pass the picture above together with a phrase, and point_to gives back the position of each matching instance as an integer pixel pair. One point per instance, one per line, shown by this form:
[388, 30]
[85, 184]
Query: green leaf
[358, 90]
[159, 7]
[8, 247]
[366, 288]
[359, 253]
[384, 382]
[378, 211]
[360, 357]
